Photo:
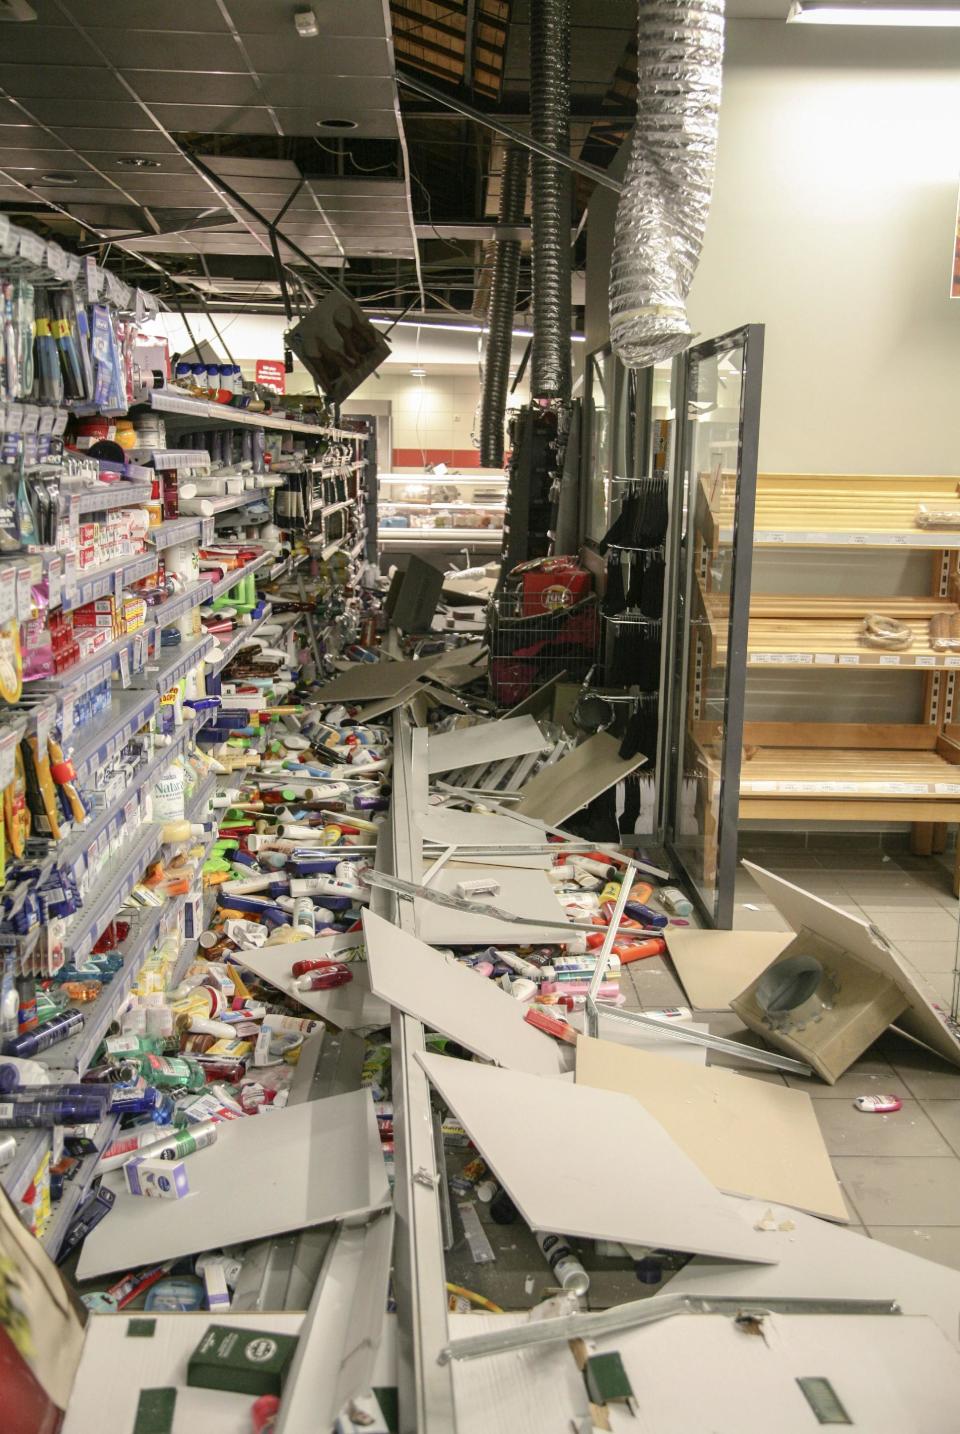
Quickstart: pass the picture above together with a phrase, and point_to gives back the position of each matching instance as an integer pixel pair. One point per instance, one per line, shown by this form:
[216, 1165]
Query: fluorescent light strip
[460, 328]
[829, 12]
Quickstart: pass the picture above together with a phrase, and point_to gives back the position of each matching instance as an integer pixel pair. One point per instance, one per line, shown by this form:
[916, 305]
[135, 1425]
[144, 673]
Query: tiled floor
[900, 1173]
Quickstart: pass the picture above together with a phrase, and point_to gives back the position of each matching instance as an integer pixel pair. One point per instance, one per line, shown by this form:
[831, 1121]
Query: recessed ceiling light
[137, 161]
[418, 373]
[336, 124]
[59, 177]
[927, 14]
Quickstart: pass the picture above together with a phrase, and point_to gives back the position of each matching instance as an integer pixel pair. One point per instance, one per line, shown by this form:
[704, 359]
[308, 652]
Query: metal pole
[578, 166]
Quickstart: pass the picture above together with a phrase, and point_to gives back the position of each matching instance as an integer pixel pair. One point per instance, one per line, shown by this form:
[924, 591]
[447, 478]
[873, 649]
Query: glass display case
[707, 609]
[447, 512]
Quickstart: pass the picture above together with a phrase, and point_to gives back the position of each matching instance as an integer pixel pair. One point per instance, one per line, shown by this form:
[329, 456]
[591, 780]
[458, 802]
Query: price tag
[927, 661]
[889, 659]
[81, 952]
[91, 276]
[13, 421]
[824, 659]
[45, 424]
[130, 812]
[46, 719]
[139, 651]
[8, 594]
[54, 580]
[849, 659]
[56, 1145]
[31, 248]
[124, 657]
[5, 236]
[24, 589]
[66, 714]
[139, 308]
[71, 267]
[947, 788]
[951, 660]
[31, 418]
[56, 260]
[60, 416]
[8, 749]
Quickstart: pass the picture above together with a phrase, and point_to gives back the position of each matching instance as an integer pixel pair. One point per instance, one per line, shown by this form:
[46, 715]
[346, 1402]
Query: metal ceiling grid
[121, 78]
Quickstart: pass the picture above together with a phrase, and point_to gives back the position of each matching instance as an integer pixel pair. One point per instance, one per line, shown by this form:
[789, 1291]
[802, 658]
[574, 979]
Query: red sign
[272, 374]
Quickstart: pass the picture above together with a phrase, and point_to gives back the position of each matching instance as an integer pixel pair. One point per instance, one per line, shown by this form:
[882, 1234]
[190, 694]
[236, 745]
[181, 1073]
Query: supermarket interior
[480, 723]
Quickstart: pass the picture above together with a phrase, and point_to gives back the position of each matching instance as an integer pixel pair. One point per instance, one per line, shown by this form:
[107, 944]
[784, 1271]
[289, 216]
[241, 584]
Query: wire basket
[528, 648]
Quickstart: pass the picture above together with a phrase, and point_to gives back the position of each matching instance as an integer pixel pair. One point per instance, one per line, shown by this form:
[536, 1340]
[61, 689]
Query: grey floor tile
[907, 1132]
[945, 1115]
[871, 1075]
[891, 895]
[924, 1076]
[754, 917]
[931, 1242]
[929, 956]
[903, 923]
[897, 1191]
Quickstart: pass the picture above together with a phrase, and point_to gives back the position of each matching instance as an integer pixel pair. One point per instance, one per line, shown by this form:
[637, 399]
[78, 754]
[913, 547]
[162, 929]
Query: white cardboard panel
[350, 1007]
[558, 791]
[484, 742]
[820, 1260]
[715, 966]
[749, 1137]
[591, 1163]
[525, 892]
[449, 998]
[928, 1019]
[265, 1174]
[102, 1401]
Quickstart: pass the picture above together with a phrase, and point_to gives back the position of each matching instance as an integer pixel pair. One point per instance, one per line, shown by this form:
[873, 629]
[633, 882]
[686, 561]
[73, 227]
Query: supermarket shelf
[166, 458]
[17, 1174]
[75, 1190]
[74, 592]
[230, 501]
[192, 596]
[96, 743]
[107, 824]
[168, 671]
[237, 640]
[83, 676]
[230, 581]
[397, 539]
[124, 493]
[358, 545]
[109, 893]
[326, 509]
[843, 774]
[201, 413]
[445, 507]
[195, 808]
[445, 479]
[181, 530]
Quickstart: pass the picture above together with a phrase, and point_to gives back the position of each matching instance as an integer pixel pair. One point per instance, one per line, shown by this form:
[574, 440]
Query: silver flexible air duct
[503, 303]
[550, 123]
[666, 195]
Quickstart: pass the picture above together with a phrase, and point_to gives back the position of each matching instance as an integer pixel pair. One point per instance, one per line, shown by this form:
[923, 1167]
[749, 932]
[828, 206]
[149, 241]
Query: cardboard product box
[246, 1361]
[549, 585]
[157, 1179]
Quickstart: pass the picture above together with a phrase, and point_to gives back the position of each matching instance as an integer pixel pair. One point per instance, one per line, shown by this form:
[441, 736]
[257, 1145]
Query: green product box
[249, 1361]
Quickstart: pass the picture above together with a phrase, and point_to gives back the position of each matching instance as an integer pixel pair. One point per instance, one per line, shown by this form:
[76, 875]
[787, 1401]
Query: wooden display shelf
[819, 637]
[834, 510]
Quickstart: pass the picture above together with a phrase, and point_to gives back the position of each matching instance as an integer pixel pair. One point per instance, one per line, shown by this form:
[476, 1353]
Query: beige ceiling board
[449, 998]
[558, 791]
[350, 1007]
[449, 827]
[484, 742]
[928, 1017]
[522, 892]
[749, 1137]
[366, 681]
[715, 966]
[292, 1168]
[591, 1163]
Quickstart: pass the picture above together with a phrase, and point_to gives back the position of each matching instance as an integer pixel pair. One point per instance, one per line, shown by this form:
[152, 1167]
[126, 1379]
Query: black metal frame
[678, 601]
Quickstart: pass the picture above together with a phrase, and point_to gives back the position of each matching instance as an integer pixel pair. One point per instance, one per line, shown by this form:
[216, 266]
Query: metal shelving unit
[238, 639]
[105, 581]
[230, 581]
[203, 413]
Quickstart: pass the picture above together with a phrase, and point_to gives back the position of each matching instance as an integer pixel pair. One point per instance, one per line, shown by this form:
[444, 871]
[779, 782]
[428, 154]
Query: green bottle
[167, 1072]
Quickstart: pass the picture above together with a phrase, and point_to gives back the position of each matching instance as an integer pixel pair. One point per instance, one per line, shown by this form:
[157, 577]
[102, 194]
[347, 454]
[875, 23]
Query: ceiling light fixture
[137, 161]
[418, 373]
[932, 14]
[459, 328]
[336, 124]
[306, 23]
[59, 178]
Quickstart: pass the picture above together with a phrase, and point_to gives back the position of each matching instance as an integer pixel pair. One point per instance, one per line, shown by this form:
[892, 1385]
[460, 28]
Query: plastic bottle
[130, 1143]
[23, 1114]
[304, 918]
[563, 1262]
[173, 1071]
[168, 795]
[58, 1028]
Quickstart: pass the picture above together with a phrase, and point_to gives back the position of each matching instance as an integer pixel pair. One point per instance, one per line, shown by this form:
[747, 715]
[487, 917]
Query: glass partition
[711, 546]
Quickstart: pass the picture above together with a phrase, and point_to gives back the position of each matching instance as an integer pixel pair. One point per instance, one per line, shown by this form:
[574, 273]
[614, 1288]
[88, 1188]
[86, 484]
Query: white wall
[832, 223]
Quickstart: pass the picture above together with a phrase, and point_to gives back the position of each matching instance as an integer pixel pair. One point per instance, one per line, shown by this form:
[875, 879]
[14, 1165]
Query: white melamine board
[448, 997]
[820, 1260]
[749, 1137]
[264, 1175]
[590, 1162]
[890, 1373]
[715, 966]
[928, 1018]
[484, 742]
[369, 711]
[525, 892]
[349, 1007]
[558, 791]
[529, 1391]
[101, 1400]
[450, 827]
[368, 680]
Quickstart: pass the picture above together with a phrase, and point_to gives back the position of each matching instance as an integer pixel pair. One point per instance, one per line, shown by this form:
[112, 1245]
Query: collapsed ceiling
[167, 139]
